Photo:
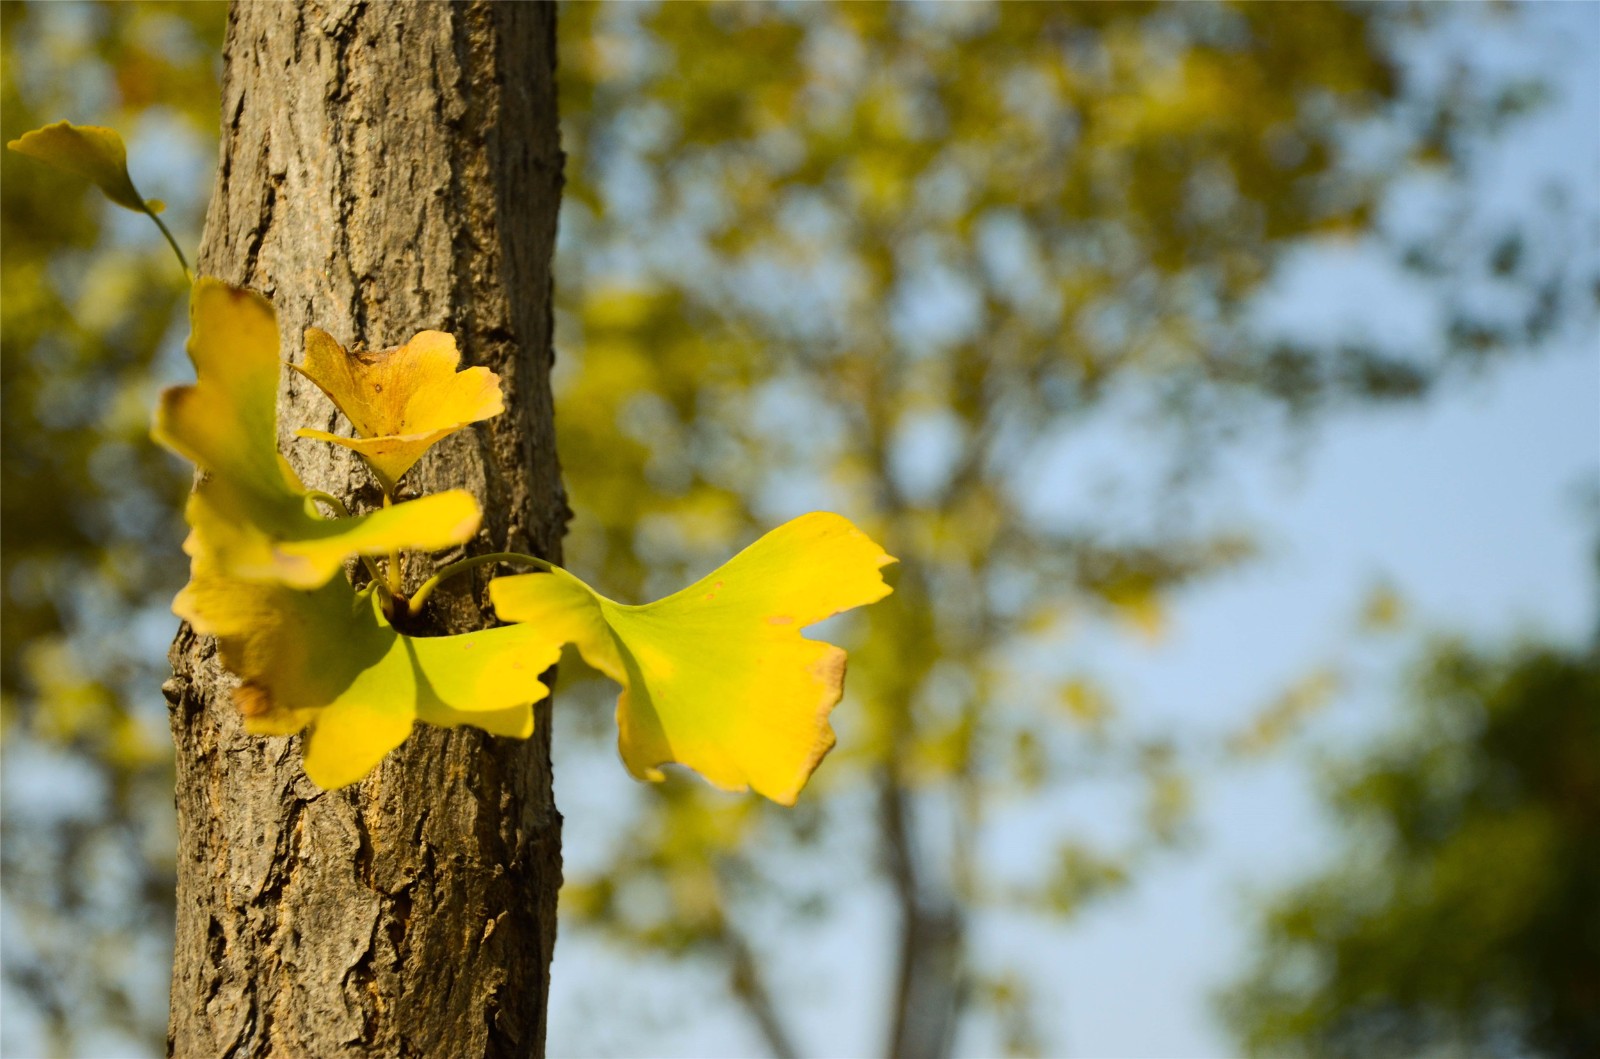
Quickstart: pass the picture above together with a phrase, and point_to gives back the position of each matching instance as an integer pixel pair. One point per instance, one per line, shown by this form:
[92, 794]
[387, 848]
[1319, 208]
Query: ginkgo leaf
[327, 660]
[260, 541]
[717, 677]
[90, 151]
[399, 400]
[251, 516]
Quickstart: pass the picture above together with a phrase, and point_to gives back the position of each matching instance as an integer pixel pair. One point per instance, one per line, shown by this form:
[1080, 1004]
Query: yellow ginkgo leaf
[90, 151]
[328, 660]
[400, 400]
[717, 677]
[251, 517]
[258, 541]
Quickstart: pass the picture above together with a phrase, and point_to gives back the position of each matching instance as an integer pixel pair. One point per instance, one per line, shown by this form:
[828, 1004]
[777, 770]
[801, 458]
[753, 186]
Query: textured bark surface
[384, 169]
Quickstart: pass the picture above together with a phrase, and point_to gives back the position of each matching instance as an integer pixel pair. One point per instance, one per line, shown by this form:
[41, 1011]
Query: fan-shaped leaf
[717, 677]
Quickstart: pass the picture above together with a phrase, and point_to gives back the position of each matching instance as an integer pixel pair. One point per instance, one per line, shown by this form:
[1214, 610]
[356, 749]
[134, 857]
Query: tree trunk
[384, 169]
[931, 979]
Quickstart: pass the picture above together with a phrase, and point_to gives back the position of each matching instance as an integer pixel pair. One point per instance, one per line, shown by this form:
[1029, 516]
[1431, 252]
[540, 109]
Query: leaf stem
[426, 588]
[187, 275]
[384, 592]
[329, 499]
[372, 567]
[396, 576]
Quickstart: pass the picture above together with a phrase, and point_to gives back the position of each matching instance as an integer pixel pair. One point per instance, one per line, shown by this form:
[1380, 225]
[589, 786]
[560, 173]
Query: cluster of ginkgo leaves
[716, 677]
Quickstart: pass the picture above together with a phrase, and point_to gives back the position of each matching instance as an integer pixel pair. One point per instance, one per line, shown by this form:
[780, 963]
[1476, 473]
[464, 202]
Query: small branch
[750, 990]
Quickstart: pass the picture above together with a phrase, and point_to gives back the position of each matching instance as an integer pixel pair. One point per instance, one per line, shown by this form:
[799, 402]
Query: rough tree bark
[384, 169]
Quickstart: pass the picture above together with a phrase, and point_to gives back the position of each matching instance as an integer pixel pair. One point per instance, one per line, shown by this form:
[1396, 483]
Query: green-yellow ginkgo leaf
[399, 400]
[717, 677]
[251, 517]
[327, 660]
[257, 541]
[90, 151]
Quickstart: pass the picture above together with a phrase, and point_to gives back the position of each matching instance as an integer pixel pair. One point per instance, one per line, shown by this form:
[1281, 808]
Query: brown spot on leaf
[829, 669]
[781, 619]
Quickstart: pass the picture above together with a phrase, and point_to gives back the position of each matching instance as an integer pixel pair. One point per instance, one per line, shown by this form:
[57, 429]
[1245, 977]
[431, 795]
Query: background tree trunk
[384, 169]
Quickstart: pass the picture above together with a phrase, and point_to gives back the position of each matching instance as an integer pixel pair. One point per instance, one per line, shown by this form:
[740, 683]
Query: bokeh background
[1227, 380]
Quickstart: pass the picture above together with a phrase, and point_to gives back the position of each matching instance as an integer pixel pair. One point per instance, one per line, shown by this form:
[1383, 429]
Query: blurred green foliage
[1463, 917]
[887, 260]
[90, 512]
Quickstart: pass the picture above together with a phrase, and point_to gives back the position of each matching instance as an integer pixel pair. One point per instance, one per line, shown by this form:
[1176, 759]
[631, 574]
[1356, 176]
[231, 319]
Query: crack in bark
[258, 234]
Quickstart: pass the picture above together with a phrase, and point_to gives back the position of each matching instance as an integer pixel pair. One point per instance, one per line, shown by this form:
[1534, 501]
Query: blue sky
[1468, 505]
